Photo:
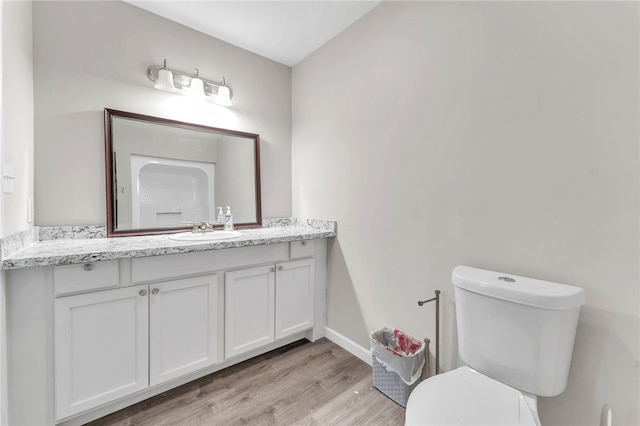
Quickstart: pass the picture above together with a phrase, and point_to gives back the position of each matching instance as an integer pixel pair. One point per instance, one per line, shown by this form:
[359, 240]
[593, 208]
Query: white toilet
[516, 336]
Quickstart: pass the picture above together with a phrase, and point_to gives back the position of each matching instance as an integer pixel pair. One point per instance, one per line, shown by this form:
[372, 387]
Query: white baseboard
[349, 345]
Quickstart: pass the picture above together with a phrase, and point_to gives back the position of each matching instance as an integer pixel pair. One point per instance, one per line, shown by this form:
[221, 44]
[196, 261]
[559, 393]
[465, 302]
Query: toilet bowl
[467, 397]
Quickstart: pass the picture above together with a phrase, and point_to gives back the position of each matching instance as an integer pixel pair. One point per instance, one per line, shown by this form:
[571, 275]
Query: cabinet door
[294, 297]
[101, 348]
[183, 326]
[249, 309]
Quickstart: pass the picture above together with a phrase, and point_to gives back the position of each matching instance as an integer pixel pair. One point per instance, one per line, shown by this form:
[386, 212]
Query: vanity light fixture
[164, 80]
[171, 80]
[224, 94]
[196, 88]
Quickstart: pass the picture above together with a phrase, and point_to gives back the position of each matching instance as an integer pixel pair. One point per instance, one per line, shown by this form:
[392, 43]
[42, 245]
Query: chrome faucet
[201, 226]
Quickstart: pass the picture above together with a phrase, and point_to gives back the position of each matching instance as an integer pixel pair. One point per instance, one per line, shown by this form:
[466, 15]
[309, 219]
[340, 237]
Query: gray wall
[16, 142]
[93, 55]
[17, 139]
[499, 135]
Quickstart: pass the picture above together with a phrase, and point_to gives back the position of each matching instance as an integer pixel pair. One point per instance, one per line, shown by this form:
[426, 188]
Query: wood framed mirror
[163, 174]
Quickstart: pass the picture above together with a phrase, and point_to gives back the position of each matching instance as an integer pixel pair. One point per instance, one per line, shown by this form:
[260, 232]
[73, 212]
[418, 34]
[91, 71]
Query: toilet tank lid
[517, 289]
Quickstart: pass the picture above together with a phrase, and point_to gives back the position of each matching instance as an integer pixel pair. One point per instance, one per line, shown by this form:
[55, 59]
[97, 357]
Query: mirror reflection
[164, 174]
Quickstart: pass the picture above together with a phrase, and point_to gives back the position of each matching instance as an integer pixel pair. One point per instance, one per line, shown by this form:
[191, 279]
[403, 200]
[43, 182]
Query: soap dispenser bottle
[220, 216]
[228, 220]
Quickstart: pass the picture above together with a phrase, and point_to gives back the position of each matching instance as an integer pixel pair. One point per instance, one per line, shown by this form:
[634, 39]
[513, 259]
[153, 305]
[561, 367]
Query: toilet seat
[467, 397]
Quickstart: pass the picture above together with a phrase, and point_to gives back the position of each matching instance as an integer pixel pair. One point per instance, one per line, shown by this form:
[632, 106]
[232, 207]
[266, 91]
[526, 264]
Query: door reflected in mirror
[162, 174]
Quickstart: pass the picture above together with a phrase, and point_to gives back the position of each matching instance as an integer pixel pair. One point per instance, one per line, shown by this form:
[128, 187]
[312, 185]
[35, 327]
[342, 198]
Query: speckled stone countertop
[63, 251]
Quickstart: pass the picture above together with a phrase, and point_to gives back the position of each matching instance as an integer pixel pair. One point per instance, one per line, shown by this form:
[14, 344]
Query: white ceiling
[285, 31]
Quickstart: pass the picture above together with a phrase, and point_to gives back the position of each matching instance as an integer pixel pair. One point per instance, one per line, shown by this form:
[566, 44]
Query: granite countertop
[63, 251]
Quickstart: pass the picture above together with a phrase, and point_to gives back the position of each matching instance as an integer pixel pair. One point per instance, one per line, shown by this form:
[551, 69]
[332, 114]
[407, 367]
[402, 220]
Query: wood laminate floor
[301, 384]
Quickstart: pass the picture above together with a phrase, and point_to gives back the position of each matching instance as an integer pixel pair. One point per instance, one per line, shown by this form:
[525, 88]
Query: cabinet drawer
[304, 248]
[86, 276]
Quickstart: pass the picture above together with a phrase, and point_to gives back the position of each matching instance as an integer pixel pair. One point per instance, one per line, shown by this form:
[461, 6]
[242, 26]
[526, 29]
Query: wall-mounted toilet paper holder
[437, 300]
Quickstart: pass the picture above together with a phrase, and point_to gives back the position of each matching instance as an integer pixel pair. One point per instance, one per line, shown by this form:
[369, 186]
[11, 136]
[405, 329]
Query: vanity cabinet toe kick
[86, 340]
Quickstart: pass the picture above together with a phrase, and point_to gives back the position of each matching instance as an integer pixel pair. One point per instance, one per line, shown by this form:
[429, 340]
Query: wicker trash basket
[397, 360]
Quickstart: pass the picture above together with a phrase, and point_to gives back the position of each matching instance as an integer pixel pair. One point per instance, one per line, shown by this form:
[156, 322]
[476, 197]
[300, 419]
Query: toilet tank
[517, 330]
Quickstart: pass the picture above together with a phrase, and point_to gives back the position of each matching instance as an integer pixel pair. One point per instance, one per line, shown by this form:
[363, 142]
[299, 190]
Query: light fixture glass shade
[165, 81]
[223, 97]
[197, 88]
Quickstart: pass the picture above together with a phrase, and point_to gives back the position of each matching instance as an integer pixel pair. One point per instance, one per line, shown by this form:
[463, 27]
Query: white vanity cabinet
[294, 297]
[112, 343]
[183, 320]
[249, 309]
[85, 340]
[101, 347]
[266, 303]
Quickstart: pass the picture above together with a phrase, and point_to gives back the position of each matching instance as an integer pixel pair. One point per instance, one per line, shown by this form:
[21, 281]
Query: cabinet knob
[280, 268]
[88, 266]
[273, 269]
[155, 291]
[304, 243]
[143, 292]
